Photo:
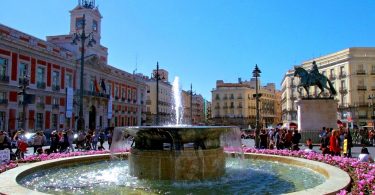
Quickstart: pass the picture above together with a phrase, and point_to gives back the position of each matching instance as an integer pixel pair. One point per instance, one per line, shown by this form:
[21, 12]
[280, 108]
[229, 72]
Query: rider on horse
[314, 73]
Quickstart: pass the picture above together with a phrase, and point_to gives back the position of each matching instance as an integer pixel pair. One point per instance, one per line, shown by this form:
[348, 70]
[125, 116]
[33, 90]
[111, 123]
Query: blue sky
[202, 41]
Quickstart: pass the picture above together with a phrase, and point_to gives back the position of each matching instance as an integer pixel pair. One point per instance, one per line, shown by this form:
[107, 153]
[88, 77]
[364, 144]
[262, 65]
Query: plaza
[134, 99]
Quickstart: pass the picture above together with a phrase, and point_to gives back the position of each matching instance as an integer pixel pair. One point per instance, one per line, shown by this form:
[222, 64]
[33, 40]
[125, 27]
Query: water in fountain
[177, 106]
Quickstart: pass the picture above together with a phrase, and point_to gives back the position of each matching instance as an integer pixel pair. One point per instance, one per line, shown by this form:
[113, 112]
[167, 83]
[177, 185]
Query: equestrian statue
[313, 78]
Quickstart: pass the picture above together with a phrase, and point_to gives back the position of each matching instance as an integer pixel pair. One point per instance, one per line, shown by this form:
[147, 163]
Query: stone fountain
[177, 152]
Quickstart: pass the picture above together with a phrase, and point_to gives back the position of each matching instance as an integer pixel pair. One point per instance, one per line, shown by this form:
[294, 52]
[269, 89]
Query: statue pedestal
[313, 114]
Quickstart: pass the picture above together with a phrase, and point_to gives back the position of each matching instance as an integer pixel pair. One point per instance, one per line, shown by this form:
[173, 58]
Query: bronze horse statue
[307, 79]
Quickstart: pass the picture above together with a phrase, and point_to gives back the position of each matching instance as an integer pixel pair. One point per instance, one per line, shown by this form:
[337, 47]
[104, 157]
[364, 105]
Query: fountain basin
[188, 164]
[335, 178]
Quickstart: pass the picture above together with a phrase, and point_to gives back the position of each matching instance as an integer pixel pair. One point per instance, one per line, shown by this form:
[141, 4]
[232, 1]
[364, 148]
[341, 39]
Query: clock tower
[92, 15]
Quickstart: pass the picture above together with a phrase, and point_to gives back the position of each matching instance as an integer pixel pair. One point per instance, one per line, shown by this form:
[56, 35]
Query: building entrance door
[92, 117]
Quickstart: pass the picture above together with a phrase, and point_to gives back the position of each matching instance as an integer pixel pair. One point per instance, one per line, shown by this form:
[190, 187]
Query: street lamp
[82, 37]
[191, 103]
[256, 74]
[156, 75]
[23, 84]
[372, 97]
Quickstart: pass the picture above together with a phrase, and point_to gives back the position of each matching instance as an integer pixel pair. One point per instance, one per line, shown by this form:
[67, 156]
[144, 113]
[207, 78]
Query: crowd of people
[58, 141]
[332, 141]
[335, 142]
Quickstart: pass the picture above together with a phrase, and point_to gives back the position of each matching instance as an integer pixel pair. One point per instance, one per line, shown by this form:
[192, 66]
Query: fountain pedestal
[186, 164]
[177, 152]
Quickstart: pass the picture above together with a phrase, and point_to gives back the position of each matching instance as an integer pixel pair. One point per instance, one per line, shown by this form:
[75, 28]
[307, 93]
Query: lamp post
[24, 83]
[372, 97]
[82, 37]
[256, 74]
[156, 76]
[191, 104]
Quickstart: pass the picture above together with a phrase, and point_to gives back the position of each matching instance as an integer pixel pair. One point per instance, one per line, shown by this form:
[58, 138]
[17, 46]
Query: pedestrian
[365, 156]
[2, 140]
[296, 139]
[349, 143]
[95, 138]
[70, 135]
[101, 140]
[334, 143]
[54, 142]
[37, 142]
[263, 139]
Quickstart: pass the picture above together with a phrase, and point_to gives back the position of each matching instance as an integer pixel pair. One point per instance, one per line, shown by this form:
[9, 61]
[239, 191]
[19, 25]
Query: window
[69, 80]
[3, 96]
[39, 121]
[55, 118]
[129, 94]
[55, 101]
[123, 93]
[91, 85]
[3, 67]
[342, 70]
[40, 78]
[79, 23]
[55, 78]
[22, 70]
[116, 91]
[343, 84]
[94, 25]
[332, 73]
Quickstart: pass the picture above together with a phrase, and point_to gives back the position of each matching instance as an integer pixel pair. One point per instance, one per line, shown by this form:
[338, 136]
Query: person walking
[95, 138]
[37, 141]
[70, 136]
[296, 139]
[101, 140]
[334, 143]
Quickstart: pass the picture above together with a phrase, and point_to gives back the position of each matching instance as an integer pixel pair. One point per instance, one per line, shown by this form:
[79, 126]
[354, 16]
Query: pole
[257, 131]
[157, 93]
[191, 103]
[81, 120]
[24, 103]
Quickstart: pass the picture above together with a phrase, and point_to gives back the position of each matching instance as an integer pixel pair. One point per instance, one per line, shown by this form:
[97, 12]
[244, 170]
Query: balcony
[232, 97]
[217, 98]
[239, 106]
[239, 97]
[361, 72]
[225, 98]
[41, 85]
[361, 88]
[23, 81]
[55, 106]
[217, 107]
[55, 87]
[3, 101]
[332, 77]
[40, 105]
[116, 97]
[4, 78]
[342, 75]
[123, 99]
[148, 102]
[225, 107]
[362, 104]
[134, 101]
[372, 72]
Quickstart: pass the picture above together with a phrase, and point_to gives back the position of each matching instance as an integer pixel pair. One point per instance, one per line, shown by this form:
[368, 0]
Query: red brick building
[53, 69]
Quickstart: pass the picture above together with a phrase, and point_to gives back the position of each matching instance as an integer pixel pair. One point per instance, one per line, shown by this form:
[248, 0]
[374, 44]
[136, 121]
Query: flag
[96, 86]
[102, 84]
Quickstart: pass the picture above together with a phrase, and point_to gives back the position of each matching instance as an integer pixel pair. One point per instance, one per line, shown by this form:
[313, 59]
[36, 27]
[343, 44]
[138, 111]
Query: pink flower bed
[362, 174]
